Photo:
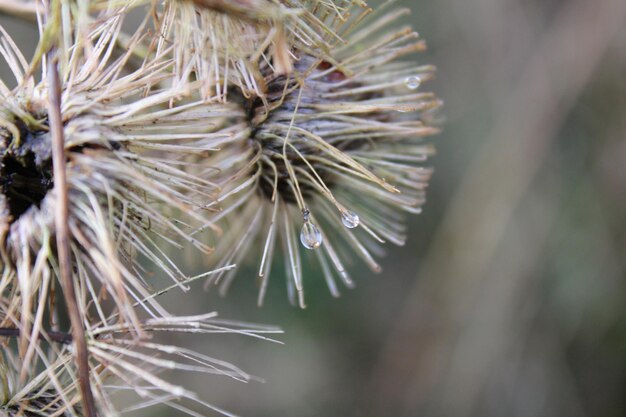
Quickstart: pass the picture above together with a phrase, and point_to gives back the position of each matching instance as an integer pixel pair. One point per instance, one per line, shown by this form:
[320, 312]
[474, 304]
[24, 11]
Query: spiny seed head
[131, 144]
[335, 152]
[223, 43]
[128, 174]
[276, 124]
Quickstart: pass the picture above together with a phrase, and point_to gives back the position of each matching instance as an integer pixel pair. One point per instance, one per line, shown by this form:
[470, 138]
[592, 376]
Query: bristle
[340, 139]
[134, 190]
[235, 128]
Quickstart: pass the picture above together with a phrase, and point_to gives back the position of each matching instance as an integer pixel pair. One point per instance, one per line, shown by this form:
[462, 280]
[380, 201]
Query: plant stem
[62, 233]
[58, 337]
[253, 10]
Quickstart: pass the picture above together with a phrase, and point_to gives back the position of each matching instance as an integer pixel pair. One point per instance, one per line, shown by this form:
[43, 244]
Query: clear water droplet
[178, 392]
[310, 236]
[350, 219]
[413, 82]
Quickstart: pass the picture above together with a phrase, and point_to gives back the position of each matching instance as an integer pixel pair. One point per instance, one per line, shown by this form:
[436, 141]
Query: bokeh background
[509, 298]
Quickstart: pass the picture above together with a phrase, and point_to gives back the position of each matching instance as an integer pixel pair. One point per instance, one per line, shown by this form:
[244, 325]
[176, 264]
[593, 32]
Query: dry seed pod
[223, 43]
[130, 147]
[128, 174]
[336, 155]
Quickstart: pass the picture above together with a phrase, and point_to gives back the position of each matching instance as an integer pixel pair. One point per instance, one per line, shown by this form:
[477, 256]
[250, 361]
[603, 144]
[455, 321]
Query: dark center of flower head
[25, 169]
[26, 174]
[271, 123]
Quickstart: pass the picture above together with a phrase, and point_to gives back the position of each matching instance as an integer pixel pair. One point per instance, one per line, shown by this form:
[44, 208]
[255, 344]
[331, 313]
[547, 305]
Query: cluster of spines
[282, 123]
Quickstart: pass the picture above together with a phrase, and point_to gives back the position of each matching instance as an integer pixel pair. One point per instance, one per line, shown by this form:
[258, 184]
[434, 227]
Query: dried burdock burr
[130, 143]
[125, 150]
[222, 43]
[336, 153]
[282, 125]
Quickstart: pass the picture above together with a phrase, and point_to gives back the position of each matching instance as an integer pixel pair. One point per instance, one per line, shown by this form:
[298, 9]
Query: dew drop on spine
[350, 219]
[413, 82]
[310, 236]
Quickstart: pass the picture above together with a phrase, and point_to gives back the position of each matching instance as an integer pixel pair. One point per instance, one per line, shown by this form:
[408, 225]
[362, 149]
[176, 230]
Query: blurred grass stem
[526, 122]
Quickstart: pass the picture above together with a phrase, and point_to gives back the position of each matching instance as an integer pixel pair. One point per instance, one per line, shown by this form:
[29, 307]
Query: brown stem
[58, 337]
[253, 10]
[62, 234]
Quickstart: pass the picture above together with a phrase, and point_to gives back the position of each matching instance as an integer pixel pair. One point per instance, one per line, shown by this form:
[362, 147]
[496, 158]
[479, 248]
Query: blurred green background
[509, 298]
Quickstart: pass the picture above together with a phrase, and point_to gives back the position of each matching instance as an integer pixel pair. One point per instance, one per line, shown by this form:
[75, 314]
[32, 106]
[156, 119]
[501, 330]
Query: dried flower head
[273, 121]
[127, 157]
[130, 142]
[223, 43]
[335, 150]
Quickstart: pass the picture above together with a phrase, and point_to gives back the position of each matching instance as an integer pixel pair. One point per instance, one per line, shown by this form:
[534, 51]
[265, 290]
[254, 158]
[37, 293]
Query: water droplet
[178, 392]
[350, 219]
[413, 82]
[310, 236]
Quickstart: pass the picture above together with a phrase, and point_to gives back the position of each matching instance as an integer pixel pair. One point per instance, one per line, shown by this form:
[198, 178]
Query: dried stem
[62, 233]
[58, 337]
[253, 10]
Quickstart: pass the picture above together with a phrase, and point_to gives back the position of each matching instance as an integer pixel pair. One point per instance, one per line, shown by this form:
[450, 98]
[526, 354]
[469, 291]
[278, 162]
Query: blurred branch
[55, 336]
[22, 9]
[456, 352]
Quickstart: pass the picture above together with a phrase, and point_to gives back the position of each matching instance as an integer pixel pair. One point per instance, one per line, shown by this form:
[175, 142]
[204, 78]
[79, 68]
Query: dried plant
[335, 151]
[120, 189]
[126, 190]
[248, 118]
[223, 43]
[119, 363]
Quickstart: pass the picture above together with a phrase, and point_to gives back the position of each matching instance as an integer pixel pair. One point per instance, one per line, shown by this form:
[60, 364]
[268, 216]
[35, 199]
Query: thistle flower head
[274, 123]
[122, 189]
[223, 43]
[335, 151]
